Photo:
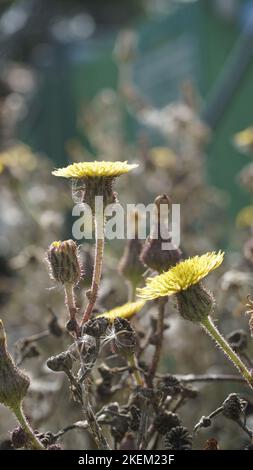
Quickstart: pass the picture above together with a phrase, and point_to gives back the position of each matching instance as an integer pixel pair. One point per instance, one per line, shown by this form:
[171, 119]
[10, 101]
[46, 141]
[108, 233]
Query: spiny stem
[97, 270]
[211, 329]
[34, 442]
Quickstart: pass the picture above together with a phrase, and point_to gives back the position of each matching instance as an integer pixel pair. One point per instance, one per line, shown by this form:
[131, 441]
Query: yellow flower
[94, 170]
[124, 311]
[163, 157]
[181, 277]
[244, 139]
[18, 156]
[245, 217]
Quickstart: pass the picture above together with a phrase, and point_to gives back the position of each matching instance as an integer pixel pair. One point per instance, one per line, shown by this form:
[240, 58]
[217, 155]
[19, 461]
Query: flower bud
[195, 303]
[13, 383]
[63, 262]
[153, 254]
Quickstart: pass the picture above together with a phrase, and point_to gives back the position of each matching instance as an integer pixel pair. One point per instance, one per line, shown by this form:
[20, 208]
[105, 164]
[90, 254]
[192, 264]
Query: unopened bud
[64, 263]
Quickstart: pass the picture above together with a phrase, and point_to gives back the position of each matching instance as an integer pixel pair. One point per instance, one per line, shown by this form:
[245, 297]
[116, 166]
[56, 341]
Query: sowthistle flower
[181, 277]
[96, 179]
[244, 140]
[124, 311]
[194, 302]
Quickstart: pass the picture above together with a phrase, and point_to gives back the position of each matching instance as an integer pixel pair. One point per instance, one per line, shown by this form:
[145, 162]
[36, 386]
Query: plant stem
[159, 339]
[97, 270]
[71, 305]
[133, 363]
[211, 329]
[33, 441]
[131, 291]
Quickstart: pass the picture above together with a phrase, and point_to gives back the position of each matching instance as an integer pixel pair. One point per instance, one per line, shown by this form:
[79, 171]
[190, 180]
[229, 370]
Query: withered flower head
[64, 262]
[153, 254]
[13, 382]
[178, 438]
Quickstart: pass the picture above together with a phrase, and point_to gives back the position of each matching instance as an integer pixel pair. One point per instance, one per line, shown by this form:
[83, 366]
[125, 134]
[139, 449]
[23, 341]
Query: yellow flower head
[124, 311]
[181, 277]
[98, 169]
[244, 140]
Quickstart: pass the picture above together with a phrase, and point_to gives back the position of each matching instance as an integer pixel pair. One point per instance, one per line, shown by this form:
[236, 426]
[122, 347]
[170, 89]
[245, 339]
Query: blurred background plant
[162, 83]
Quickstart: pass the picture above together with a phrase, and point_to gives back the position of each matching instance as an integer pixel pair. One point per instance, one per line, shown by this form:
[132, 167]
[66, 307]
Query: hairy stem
[97, 270]
[71, 305]
[211, 329]
[33, 441]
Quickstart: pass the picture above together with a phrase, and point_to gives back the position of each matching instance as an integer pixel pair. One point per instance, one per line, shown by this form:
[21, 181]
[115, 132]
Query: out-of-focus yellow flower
[163, 157]
[181, 277]
[97, 169]
[244, 140]
[124, 311]
[244, 218]
[18, 156]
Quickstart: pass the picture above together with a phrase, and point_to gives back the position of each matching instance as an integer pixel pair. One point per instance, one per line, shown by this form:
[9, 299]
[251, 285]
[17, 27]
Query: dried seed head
[125, 335]
[169, 386]
[19, 438]
[234, 407]
[165, 421]
[195, 303]
[95, 327]
[153, 254]
[64, 262]
[238, 340]
[13, 383]
[135, 417]
[178, 438]
[60, 362]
